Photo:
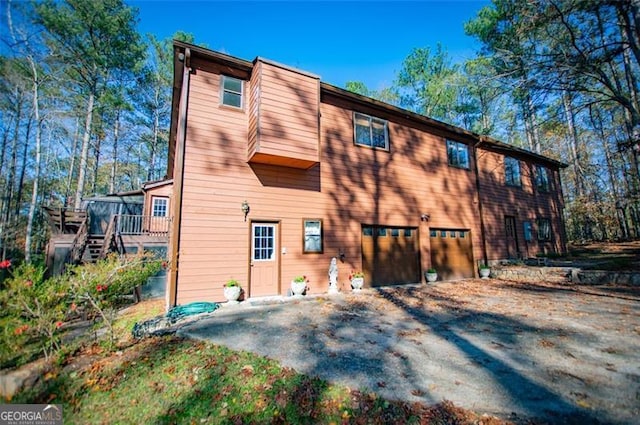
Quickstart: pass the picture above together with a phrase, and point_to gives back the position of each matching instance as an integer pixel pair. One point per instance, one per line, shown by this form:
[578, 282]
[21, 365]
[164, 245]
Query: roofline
[135, 192]
[220, 57]
[480, 140]
[287, 67]
[156, 183]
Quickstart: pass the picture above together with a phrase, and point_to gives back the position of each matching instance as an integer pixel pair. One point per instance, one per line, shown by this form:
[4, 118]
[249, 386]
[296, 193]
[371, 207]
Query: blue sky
[339, 41]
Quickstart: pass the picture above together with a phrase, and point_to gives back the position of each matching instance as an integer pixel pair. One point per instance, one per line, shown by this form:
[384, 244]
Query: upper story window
[511, 171]
[232, 89]
[370, 131]
[458, 154]
[159, 207]
[542, 178]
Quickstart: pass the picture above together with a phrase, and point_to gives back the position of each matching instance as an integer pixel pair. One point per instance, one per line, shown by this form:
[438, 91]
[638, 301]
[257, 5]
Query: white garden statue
[333, 276]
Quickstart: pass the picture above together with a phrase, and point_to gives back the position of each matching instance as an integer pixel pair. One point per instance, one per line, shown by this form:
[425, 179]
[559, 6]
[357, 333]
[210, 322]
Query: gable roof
[326, 89]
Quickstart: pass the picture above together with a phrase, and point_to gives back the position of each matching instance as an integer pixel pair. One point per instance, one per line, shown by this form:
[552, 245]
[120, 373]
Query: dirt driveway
[514, 350]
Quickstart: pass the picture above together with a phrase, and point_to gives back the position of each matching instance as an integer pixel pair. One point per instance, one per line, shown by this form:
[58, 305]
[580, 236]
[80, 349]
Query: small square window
[433, 233]
[395, 232]
[461, 234]
[407, 233]
[443, 234]
[159, 207]
[452, 235]
[367, 231]
[232, 89]
[382, 231]
[458, 154]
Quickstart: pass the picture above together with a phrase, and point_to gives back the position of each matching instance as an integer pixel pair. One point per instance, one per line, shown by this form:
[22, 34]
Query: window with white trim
[263, 243]
[231, 91]
[159, 207]
[370, 131]
[511, 171]
[458, 154]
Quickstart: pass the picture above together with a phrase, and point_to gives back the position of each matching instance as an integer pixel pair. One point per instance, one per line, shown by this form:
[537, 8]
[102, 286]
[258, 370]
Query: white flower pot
[231, 293]
[357, 283]
[298, 288]
[431, 277]
[484, 273]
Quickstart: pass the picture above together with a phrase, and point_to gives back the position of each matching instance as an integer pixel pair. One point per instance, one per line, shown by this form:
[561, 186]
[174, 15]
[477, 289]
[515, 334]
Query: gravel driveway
[514, 350]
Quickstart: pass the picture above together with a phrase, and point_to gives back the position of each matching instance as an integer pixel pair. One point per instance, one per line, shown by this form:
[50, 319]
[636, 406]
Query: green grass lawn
[171, 380]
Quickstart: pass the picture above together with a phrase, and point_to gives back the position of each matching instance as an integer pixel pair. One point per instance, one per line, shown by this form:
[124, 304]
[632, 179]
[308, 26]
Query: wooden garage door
[390, 255]
[451, 253]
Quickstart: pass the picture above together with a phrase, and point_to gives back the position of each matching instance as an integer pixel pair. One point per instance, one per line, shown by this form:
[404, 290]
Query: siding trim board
[293, 155]
[178, 179]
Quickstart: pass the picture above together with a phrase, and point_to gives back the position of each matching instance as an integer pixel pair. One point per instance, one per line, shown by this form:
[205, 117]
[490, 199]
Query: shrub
[34, 309]
[100, 287]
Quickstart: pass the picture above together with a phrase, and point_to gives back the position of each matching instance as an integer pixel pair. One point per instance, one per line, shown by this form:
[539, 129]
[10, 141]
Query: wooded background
[85, 104]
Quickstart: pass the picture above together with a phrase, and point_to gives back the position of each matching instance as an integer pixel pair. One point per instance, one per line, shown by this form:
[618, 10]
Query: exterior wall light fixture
[245, 209]
[424, 217]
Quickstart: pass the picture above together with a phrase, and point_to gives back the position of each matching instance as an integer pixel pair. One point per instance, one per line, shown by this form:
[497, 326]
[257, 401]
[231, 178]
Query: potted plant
[431, 275]
[485, 271]
[299, 285]
[357, 280]
[231, 291]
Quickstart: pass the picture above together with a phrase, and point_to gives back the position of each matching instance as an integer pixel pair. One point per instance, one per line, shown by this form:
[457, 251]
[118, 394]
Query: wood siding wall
[160, 191]
[524, 203]
[283, 117]
[351, 186]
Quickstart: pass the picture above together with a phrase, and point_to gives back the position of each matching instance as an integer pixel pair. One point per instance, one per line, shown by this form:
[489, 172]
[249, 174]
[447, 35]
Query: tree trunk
[72, 156]
[84, 154]
[23, 169]
[5, 210]
[36, 177]
[98, 146]
[156, 129]
[598, 125]
[527, 126]
[573, 144]
[114, 164]
[3, 148]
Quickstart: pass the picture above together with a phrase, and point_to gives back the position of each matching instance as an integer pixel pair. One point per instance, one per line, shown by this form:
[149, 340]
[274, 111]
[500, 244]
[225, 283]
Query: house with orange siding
[276, 172]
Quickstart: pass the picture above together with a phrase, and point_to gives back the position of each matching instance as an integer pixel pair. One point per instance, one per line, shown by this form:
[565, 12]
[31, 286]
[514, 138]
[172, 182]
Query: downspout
[178, 179]
[482, 228]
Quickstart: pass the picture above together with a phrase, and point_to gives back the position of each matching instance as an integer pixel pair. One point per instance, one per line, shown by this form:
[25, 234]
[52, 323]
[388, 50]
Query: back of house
[276, 172]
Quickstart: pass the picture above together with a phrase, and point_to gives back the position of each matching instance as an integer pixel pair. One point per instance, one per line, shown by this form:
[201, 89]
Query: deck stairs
[93, 250]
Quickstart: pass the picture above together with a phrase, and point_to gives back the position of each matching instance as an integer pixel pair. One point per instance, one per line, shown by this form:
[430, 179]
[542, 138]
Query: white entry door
[265, 260]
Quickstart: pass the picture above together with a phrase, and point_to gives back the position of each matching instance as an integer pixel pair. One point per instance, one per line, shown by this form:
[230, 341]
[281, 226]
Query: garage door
[451, 253]
[390, 255]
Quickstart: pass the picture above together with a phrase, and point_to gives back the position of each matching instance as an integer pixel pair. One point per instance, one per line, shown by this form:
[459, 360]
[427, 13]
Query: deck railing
[142, 225]
[65, 220]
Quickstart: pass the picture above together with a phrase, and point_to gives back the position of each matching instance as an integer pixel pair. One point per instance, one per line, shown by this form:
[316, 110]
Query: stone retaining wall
[568, 275]
[525, 273]
[601, 277]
